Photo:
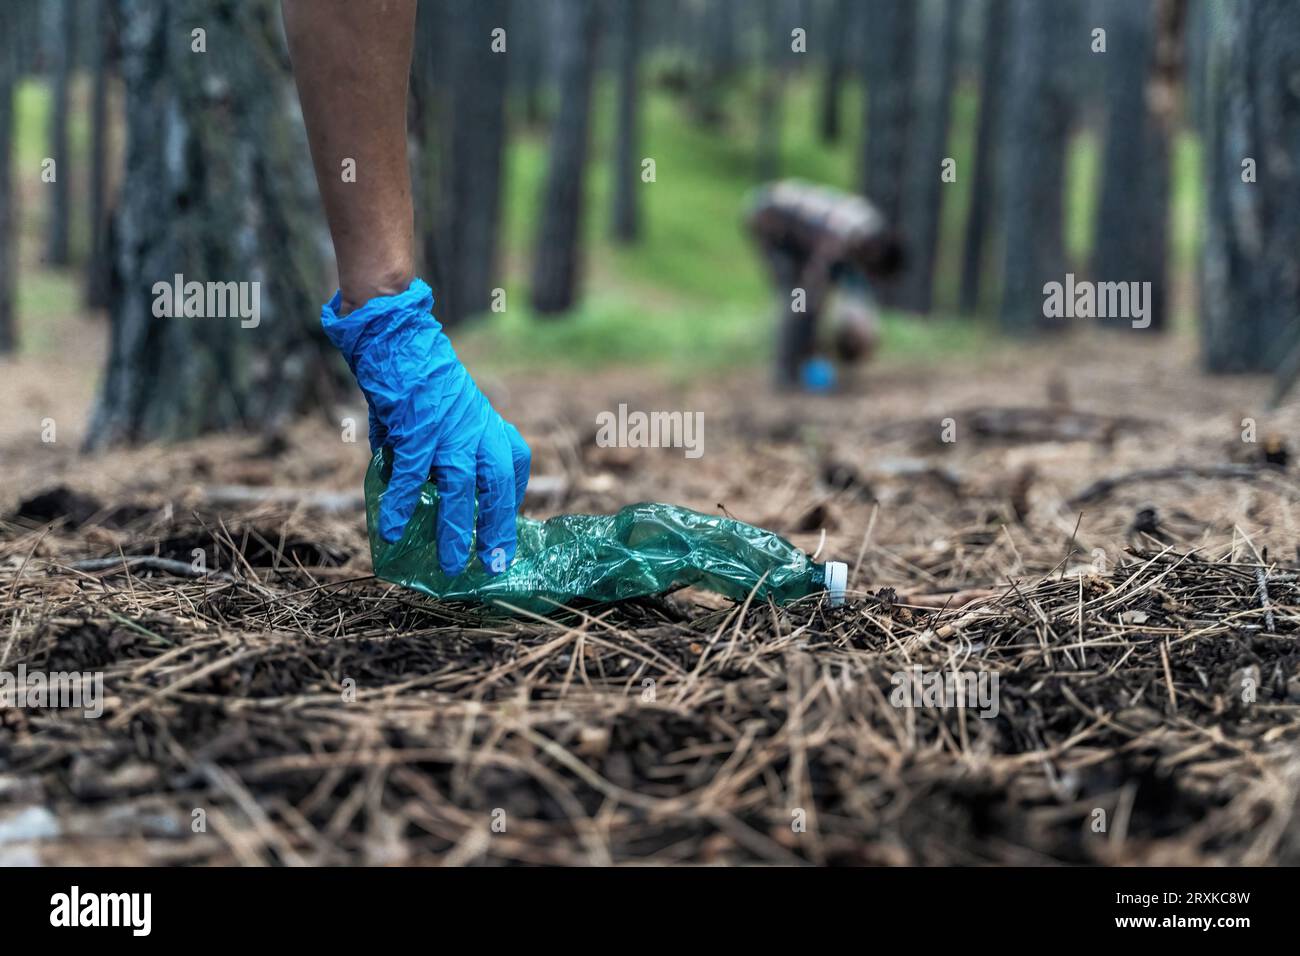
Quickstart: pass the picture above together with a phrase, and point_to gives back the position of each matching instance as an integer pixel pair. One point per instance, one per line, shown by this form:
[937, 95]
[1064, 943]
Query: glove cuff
[351, 332]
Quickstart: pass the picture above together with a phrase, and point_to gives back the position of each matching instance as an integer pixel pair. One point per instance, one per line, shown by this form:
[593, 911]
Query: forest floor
[289, 708]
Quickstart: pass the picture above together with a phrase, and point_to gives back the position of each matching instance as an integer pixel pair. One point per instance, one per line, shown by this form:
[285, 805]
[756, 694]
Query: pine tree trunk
[1132, 230]
[527, 46]
[714, 29]
[980, 225]
[890, 38]
[58, 245]
[626, 221]
[1198, 47]
[838, 29]
[98, 267]
[218, 189]
[1250, 281]
[722, 39]
[1039, 105]
[30, 37]
[926, 190]
[428, 126]
[463, 85]
[479, 125]
[10, 15]
[559, 238]
[772, 45]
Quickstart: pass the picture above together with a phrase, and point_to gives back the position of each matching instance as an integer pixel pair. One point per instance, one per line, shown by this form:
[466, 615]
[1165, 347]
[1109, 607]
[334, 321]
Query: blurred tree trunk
[772, 43]
[57, 249]
[478, 136]
[1039, 107]
[527, 48]
[980, 226]
[1250, 281]
[626, 223]
[926, 189]
[428, 124]
[837, 30]
[716, 36]
[890, 38]
[559, 238]
[461, 95]
[722, 39]
[217, 189]
[97, 265]
[10, 30]
[792, 14]
[1143, 76]
[31, 38]
[1198, 45]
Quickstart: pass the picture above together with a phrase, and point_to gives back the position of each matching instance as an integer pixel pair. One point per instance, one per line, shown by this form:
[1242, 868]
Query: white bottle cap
[837, 581]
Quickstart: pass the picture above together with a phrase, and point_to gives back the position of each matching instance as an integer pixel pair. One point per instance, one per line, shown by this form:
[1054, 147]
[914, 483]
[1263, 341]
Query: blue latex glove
[424, 406]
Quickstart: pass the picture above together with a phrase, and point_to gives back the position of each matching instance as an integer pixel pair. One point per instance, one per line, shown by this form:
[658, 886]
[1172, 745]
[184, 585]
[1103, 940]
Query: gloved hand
[424, 406]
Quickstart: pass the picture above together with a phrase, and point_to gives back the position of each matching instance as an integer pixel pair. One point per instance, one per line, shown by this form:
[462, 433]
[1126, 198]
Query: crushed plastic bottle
[642, 550]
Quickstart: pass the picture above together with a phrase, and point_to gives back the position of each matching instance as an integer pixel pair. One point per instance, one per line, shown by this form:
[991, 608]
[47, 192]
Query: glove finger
[412, 457]
[455, 479]
[522, 458]
[496, 499]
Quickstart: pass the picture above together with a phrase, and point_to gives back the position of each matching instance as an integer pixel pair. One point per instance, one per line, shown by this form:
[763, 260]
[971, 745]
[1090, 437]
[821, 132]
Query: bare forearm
[351, 63]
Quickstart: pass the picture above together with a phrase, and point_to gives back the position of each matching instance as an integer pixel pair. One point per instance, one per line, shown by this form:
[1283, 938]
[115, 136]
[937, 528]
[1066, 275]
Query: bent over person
[825, 249]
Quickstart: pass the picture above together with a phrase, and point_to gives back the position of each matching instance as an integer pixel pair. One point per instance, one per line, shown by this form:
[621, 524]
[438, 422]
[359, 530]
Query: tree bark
[428, 125]
[217, 189]
[10, 16]
[980, 220]
[30, 38]
[1132, 230]
[559, 238]
[714, 29]
[462, 85]
[527, 48]
[626, 222]
[1250, 278]
[1197, 50]
[98, 266]
[722, 39]
[926, 189]
[774, 62]
[1039, 107]
[839, 27]
[890, 39]
[58, 243]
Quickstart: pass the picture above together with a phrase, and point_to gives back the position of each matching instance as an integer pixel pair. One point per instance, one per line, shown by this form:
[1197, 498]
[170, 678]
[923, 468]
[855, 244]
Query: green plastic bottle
[644, 549]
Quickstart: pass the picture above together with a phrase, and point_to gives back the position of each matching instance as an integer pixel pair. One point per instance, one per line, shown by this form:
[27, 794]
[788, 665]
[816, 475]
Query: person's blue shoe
[817, 375]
